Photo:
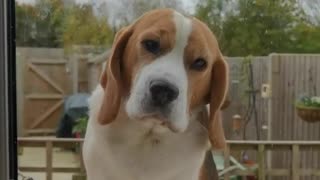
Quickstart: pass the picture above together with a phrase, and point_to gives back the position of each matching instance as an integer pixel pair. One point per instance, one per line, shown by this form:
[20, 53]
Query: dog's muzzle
[162, 93]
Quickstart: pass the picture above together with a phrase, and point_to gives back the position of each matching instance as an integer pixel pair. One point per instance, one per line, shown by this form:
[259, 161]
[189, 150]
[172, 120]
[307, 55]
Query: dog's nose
[162, 92]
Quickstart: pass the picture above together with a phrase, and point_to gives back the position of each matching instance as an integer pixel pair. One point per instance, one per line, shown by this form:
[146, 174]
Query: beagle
[148, 115]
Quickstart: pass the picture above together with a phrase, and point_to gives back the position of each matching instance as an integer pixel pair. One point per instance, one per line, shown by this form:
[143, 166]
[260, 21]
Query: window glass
[272, 49]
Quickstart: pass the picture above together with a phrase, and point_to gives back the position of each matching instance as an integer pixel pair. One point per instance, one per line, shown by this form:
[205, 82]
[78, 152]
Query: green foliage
[130, 10]
[25, 17]
[82, 27]
[52, 23]
[308, 102]
[81, 126]
[307, 38]
[49, 22]
[39, 25]
[210, 12]
[260, 27]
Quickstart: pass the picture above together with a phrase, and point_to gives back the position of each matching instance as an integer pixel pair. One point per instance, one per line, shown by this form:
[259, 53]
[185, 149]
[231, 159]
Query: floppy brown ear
[111, 80]
[219, 88]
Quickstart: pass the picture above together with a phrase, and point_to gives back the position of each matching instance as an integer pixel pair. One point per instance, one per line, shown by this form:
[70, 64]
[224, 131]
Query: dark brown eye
[151, 46]
[199, 64]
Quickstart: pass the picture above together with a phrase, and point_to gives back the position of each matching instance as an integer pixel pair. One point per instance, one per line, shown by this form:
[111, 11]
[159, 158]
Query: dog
[155, 114]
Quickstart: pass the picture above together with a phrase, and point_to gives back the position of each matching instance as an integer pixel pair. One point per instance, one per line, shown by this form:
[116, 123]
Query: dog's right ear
[111, 80]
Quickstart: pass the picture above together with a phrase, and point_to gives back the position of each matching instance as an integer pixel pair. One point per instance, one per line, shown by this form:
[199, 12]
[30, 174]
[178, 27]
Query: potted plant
[308, 108]
[79, 130]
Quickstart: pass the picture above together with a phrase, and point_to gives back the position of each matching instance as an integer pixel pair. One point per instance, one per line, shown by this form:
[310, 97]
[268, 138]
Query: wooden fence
[239, 96]
[45, 77]
[288, 76]
[293, 75]
[49, 144]
[294, 172]
[42, 84]
[294, 148]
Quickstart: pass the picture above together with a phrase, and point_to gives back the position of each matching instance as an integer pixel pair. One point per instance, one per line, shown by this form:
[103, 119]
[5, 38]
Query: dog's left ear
[219, 88]
[111, 80]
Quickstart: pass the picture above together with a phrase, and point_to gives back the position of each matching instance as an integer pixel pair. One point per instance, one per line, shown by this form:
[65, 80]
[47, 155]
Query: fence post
[261, 159]
[49, 168]
[82, 168]
[82, 174]
[227, 161]
[75, 73]
[269, 108]
[295, 162]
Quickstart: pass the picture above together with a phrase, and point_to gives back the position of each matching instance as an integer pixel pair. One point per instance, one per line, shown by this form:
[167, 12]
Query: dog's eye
[199, 64]
[151, 46]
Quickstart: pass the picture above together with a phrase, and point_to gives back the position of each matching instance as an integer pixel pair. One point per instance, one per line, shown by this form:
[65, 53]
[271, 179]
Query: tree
[25, 25]
[82, 27]
[39, 25]
[258, 27]
[53, 23]
[211, 12]
[307, 38]
[262, 27]
[49, 24]
[129, 10]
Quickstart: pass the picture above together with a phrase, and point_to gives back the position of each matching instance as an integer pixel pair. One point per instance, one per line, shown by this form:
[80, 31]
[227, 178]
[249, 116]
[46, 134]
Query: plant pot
[77, 135]
[309, 114]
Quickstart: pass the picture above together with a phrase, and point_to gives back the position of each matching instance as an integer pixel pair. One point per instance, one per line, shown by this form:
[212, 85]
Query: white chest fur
[132, 150]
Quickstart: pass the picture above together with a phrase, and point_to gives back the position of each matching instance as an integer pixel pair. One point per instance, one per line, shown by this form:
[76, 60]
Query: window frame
[8, 137]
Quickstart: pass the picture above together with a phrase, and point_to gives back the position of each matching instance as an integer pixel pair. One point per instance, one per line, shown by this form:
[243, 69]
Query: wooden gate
[46, 83]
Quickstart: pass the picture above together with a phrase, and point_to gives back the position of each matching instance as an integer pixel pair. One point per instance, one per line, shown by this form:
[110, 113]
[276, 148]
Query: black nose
[162, 92]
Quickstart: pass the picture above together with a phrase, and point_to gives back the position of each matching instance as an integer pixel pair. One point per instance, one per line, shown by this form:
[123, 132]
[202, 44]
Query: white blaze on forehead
[183, 30]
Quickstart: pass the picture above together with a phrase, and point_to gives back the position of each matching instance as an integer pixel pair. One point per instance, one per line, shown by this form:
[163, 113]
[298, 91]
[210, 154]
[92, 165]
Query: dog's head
[164, 67]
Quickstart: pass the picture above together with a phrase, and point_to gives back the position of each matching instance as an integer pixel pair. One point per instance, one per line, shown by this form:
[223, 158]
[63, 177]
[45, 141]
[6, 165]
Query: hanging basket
[309, 114]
